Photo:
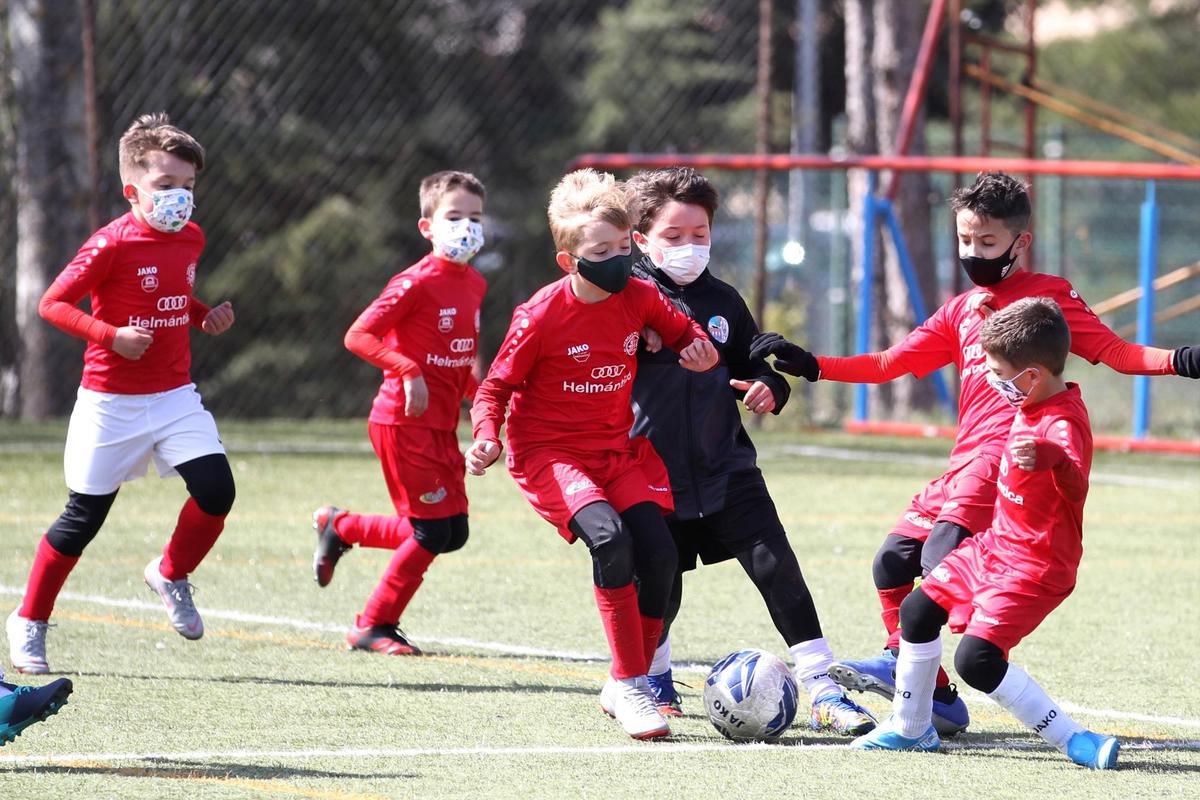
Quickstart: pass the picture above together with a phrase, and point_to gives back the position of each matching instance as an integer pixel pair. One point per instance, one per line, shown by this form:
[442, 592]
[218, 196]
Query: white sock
[1021, 696]
[662, 658]
[916, 674]
[812, 667]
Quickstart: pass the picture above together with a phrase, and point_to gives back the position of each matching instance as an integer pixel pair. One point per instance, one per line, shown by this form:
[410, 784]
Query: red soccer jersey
[428, 320]
[1038, 526]
[951, 336]
[568, 367]
[137, 276]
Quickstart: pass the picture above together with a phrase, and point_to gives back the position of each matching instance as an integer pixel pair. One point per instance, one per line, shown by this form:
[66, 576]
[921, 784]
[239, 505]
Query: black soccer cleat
[330, 546]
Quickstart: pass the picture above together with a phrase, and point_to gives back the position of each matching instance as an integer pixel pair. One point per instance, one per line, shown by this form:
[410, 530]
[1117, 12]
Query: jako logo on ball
[750, 696]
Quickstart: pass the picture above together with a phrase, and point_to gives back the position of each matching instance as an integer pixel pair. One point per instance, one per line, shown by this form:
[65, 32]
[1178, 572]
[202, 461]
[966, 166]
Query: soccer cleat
[177, 597]
[26, 705]
[878, 675]
[386, 639]
[634, 705]
[886, 737]
[330, 546]
[669, 703]
[840, 714]
[27, 643]
[1093, 750]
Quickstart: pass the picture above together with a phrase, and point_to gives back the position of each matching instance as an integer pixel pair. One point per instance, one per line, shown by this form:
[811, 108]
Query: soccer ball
[750, 696]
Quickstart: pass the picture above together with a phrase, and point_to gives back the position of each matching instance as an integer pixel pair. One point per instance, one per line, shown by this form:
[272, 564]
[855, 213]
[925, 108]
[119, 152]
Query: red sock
[890, 600]
[651, 633]
[623, 627]
[195, 534]
[942, 678]
[400, 582]
[46, 578]
[381, 531]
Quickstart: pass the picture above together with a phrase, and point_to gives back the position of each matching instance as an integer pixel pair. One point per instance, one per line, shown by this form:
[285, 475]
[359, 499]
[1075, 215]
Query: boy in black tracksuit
[722, 507]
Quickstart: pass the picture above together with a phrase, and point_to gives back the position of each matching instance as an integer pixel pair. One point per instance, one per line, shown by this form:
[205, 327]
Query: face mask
[611, 274]
[457, 240]
[989, 271]
[683, 264]
[1008, 388]
[172, 209]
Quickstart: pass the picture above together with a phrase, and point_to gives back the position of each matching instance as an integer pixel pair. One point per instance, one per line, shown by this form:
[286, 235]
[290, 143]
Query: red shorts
[987, 598]
[965, 496]
[558, 484]
[423, 468]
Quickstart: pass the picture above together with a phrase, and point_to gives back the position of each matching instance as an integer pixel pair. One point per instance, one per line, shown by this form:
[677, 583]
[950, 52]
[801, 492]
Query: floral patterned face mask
[457, 240]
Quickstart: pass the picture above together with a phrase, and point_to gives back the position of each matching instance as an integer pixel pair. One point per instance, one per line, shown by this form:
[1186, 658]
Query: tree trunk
[897, 39]
[51, 188]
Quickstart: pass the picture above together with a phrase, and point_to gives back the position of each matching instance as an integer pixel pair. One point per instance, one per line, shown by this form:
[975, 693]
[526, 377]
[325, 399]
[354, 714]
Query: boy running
[565, 372]
[992, 217]
[136, 401]
[422, 331]
[722, 507]
[1000, 584]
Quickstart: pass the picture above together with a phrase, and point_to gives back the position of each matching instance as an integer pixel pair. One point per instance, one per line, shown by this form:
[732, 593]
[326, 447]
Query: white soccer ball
[750, 696]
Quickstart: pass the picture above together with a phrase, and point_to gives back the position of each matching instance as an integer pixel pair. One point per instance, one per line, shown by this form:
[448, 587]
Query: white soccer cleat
[27, 644]
[177, 597]
[632, 703]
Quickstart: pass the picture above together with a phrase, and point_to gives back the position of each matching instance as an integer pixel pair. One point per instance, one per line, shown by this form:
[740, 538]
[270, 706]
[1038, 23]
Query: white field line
[977, 699]
[652, 748]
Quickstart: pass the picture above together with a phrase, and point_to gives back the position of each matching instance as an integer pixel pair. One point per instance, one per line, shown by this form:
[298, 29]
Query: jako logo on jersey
[462, 345]
[175, 302]
[579, 352]
[631, 341]
[718, 328]
[430, 498]
[608, 371]
[578, 486]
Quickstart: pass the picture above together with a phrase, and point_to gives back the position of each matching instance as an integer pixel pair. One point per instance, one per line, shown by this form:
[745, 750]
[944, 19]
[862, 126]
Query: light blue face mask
[1008, 388]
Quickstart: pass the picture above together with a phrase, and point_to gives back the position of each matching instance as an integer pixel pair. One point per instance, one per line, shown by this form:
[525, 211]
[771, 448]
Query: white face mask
[457, 240]
[683, 264]
[172, 209]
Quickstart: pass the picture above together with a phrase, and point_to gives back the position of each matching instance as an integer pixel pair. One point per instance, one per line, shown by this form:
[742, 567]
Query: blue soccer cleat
[840, 714]
[1093, 750]
[25, 705]
[878, 675]
[886, 737]
[669, 703]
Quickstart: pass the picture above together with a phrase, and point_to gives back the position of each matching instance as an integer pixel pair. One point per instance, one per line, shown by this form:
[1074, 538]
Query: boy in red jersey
[567, 365]
[136, 401]
[1000, 584]
[992, 217]
[422, 331]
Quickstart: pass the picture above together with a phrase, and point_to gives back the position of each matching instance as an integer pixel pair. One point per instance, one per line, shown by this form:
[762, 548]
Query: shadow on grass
[183, 770]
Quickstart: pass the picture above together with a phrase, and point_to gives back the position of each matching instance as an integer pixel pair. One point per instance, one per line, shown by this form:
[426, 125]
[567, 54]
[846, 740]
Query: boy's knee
[459, 533]
[79, 522]
[210, 483]
[921, 619]
[980, 664]
[609, 542]
[897, 562]
[435, 535]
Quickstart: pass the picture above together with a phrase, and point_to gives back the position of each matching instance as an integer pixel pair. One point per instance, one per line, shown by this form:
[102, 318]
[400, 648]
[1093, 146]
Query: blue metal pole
[862, 339]
[1147, 269]
[914, 291]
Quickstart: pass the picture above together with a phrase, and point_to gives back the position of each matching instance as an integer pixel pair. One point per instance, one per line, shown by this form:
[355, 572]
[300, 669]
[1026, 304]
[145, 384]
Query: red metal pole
[916, 87]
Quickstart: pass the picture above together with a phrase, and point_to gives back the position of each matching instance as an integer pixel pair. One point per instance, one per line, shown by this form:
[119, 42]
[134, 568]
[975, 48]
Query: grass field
[269, 704]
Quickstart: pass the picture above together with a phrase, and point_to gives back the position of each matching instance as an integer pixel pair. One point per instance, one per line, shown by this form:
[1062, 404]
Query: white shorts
[112, 437]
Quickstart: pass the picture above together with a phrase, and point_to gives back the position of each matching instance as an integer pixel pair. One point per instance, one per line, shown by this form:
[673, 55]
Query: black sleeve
[743, 329]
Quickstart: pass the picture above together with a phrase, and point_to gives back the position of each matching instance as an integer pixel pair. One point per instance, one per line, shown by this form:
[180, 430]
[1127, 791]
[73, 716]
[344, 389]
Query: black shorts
[748, 518]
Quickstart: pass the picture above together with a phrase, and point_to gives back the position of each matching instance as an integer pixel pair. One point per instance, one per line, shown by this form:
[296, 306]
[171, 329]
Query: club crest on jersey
[434, 497]
[149, 276]
[718, 328]
[630, 344]
[579, 352]
[477, 320]
[445, 324]
[191, 274]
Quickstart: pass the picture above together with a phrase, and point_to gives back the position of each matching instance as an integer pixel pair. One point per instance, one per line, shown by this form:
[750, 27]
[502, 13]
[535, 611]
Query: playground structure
[878, 208]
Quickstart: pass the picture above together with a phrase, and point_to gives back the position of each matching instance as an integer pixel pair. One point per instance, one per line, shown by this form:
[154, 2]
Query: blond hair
[1031, 330]
[579, 198]
[439, 184]
[151, 132]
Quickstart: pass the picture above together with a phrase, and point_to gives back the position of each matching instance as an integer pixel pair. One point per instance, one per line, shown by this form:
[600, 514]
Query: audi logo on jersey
[462, 345]
[175, 302]
[608, 371]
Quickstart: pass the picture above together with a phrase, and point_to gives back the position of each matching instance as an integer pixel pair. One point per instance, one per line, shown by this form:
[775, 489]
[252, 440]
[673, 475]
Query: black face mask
[611, 274]
[989, 271]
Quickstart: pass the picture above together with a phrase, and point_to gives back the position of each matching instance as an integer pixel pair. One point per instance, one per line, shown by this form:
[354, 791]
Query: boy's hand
[132, 341]
[218, 320]
[1036, 454]
[699, 356]
[416, 396]
[759, 397]
[790, 358]
[651, 340]
[978, 303]
[481, 455]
